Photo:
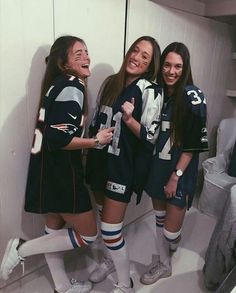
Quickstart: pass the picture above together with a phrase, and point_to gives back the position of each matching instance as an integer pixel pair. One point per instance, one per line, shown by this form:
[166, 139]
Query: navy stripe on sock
[110, 233]
[159, 225]
[117, 247]
[176, 240]
[72, 238]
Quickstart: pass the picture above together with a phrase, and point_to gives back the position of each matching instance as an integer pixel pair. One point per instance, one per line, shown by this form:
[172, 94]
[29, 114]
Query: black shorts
[96, 177]
[181, 199]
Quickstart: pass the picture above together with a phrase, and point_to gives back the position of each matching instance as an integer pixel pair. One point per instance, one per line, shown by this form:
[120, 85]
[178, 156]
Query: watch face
[179, 172]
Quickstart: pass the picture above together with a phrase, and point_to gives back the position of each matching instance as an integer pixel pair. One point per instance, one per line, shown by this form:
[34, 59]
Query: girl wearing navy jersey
[55, 184]
[111, 170]
[173, 173]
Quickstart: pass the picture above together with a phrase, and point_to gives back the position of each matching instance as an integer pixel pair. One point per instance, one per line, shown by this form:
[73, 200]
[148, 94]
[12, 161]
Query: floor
[187, 262]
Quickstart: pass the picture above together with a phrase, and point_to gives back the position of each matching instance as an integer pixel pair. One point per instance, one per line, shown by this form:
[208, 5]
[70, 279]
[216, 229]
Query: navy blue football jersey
[166, 155]
[112, 168]
[55, 176]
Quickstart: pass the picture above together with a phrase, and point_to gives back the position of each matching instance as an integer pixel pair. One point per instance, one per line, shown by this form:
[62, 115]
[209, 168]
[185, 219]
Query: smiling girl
[174, 169]
[131, 102]
[55, 184]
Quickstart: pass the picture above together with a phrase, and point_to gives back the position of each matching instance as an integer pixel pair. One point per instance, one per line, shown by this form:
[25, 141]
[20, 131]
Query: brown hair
[114, 84]
[56, 61]
[178, 112]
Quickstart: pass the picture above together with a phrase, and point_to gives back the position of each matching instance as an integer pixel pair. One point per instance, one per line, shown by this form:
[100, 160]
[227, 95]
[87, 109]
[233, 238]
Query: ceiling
[226, 16]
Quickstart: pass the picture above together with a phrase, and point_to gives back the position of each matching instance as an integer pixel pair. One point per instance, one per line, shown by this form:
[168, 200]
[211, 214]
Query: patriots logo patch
[66, 128]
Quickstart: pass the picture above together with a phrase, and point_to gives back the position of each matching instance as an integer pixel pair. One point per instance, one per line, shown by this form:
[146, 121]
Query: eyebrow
[145, 52]
[78, 51]
[168, 62]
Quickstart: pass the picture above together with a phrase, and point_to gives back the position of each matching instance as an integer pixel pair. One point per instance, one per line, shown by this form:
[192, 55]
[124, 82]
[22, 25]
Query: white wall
[101, 25]
[25, 38]
[32, 27]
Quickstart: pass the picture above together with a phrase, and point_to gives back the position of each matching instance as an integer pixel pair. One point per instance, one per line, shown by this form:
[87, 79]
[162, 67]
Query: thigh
[174, 217]
[113, 211]
[84, 223]
[54, 221]
[99, 197]
[159, 205]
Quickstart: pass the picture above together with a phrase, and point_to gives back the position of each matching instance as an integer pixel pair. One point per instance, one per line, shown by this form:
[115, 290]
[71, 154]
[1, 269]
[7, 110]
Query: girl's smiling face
[78, 60]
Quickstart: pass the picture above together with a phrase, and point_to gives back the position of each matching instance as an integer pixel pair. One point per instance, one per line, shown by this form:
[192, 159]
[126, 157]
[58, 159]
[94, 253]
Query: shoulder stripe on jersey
[143, 83]
[48, 92]
[71, 93]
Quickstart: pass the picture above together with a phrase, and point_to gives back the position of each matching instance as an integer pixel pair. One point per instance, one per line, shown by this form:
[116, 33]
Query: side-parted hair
[114, 84]
[56, 61]
[185, 79]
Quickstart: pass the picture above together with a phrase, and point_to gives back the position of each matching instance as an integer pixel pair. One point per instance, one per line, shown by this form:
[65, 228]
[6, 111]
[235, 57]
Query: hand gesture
[127, 108]
[104, 136]
[171, 186]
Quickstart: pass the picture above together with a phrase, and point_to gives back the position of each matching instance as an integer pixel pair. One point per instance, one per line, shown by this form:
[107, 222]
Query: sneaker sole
[9, 246]
[166, 275]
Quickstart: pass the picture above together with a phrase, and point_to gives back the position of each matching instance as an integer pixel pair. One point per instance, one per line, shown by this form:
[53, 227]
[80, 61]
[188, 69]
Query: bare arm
[171, 186]
[103, 137]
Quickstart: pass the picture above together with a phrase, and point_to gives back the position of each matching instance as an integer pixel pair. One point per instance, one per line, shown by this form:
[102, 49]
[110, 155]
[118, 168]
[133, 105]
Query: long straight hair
[179, 108]
[114, 84]
[55, 64]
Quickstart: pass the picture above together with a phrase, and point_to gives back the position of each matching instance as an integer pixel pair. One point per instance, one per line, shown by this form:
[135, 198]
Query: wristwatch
[97, 143]
[178, 172]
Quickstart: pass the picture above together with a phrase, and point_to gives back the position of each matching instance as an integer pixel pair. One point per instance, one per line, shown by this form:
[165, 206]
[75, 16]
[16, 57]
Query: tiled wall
[28, 28]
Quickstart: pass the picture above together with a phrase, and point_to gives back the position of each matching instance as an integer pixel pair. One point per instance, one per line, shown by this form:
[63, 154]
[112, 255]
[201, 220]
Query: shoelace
[122, 289]
[73, 281]
[106, 263]
[155, 268]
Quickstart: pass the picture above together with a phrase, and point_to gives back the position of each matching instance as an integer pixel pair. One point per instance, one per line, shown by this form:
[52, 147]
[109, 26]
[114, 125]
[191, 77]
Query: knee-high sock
[55, 261]
[60, 240]
[114, 241]
[173, 238]
[162, 243]
[160, 219]
[105, 251]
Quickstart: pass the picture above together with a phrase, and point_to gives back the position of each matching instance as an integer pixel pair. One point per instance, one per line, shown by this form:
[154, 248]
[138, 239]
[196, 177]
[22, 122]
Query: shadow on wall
[98, 74]
[16, 137]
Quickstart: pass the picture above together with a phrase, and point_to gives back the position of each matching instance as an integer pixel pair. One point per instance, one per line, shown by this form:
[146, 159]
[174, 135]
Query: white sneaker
[105, 268]
[78, 287]
[123, 289]
[11, 258]
[156, 272]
